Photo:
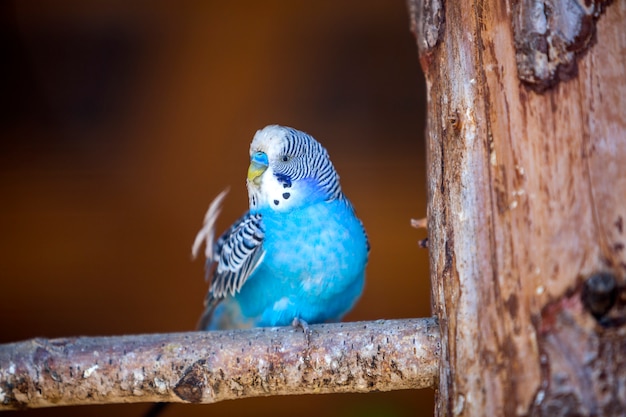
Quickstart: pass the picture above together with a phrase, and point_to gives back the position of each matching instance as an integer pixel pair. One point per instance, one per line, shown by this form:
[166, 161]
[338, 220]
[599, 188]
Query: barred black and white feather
[311, 161]
[237, 253]
[232, 258]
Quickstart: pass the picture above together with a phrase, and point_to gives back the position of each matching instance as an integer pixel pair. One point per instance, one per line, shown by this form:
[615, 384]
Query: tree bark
[206, 367]
[527, 203]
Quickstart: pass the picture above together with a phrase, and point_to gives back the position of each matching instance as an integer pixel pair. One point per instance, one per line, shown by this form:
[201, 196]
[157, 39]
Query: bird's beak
[258, 165]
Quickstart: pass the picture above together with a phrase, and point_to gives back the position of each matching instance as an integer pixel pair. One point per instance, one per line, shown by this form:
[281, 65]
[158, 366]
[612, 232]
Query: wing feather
[232, 258]
[237, 253]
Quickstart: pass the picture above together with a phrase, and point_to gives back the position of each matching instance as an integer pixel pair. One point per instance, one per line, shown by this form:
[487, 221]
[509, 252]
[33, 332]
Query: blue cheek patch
[284, 180]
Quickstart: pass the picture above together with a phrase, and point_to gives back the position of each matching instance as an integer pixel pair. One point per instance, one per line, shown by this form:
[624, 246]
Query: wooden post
[527, 203]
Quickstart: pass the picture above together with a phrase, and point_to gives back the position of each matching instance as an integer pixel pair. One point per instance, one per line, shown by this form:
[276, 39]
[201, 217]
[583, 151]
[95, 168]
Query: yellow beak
[255, 170]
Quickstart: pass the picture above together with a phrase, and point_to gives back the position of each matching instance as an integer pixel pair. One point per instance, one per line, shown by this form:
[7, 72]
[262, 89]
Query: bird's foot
[299, 323]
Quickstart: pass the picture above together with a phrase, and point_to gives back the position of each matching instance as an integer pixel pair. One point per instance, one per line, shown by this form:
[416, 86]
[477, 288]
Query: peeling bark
[550, 34]
[582, 356]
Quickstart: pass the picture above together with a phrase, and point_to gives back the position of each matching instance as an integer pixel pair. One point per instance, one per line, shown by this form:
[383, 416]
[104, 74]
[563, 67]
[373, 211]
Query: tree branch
[206, 367]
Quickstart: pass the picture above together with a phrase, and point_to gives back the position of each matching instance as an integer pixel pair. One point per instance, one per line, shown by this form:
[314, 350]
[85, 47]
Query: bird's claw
[299, 323]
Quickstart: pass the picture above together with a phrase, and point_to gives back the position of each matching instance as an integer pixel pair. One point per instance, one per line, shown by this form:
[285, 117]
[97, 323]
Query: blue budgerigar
[298, 255]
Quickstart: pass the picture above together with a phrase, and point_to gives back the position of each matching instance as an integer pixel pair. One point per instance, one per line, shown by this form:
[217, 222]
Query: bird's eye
[285, 158]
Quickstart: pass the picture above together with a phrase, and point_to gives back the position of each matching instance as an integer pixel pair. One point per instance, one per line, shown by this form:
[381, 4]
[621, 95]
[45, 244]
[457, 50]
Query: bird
[298, 255]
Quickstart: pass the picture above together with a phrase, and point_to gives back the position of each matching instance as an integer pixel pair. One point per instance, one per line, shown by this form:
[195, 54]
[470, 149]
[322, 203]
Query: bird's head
[288, 168]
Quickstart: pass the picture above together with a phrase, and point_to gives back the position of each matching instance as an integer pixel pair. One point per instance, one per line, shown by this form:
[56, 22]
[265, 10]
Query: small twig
[206, 367]
[420, 223]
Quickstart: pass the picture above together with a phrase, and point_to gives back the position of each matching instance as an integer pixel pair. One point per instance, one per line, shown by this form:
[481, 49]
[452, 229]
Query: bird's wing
[232, 258]
[237, 253]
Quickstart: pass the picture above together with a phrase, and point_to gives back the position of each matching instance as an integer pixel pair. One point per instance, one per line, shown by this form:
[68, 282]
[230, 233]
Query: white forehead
[271, 139]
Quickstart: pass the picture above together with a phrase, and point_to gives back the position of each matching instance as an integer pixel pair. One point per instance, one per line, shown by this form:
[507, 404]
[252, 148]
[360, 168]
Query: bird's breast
[318, 250]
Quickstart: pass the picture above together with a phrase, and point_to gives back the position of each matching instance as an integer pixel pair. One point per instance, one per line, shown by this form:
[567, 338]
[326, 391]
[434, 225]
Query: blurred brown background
[120, 121]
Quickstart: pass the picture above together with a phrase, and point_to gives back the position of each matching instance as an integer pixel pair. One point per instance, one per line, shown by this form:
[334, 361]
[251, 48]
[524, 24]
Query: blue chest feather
[313, 268]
